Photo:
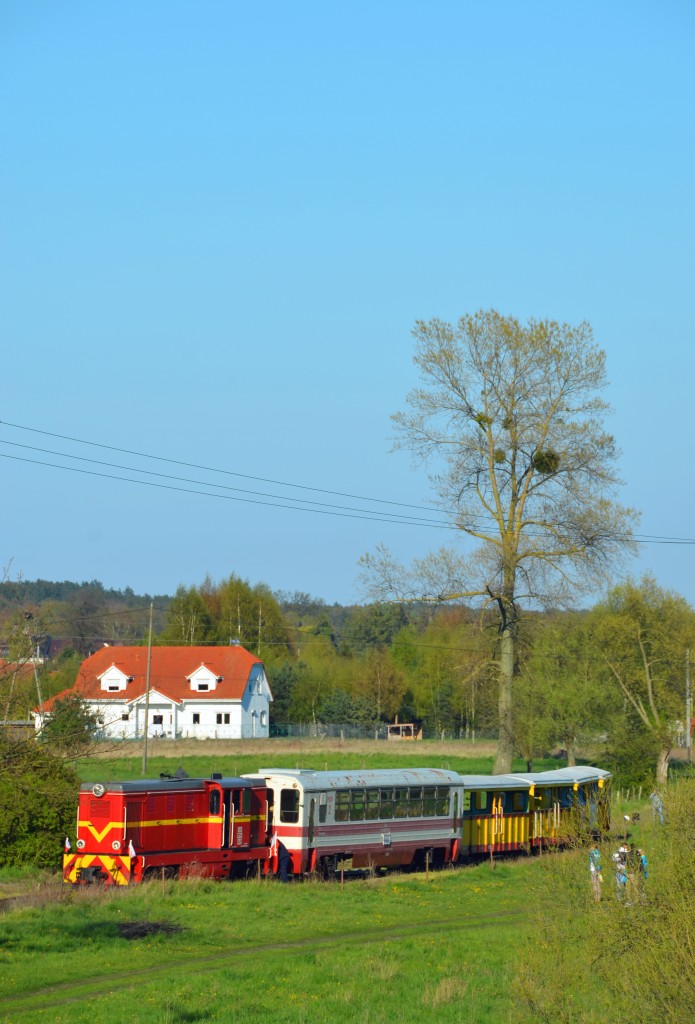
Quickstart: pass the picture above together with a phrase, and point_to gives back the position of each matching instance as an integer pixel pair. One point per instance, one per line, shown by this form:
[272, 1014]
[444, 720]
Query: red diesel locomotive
[127, 831]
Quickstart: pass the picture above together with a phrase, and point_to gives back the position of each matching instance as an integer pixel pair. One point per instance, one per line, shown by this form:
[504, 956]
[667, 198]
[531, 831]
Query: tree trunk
[662, 766]
[505, 746]
[571, 753]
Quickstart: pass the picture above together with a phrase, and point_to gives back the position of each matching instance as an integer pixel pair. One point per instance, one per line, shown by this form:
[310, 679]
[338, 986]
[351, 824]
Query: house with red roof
[194, 692]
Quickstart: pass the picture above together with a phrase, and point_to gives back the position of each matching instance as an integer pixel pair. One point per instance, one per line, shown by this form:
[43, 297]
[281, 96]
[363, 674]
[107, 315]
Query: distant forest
[35, 592]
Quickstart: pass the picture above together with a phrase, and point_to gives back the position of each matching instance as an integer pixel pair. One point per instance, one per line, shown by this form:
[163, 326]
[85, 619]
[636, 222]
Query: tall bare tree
[511, 416]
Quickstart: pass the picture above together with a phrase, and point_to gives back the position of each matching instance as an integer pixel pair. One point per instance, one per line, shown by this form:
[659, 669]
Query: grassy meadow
[238, 757]
[404, 947]
[470, 944]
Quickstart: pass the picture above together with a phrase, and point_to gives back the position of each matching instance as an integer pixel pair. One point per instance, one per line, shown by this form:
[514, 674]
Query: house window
[264, 717]
[125, 716]
[196, 718]
[203, 686]
[226, 719]
[114, 687]
[157, 719]
[219, 719]
[259, 687]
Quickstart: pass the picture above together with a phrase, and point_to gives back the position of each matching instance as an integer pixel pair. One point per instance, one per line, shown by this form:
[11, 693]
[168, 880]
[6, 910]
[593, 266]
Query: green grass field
[125, 765]
[406, 947]
[403, 948]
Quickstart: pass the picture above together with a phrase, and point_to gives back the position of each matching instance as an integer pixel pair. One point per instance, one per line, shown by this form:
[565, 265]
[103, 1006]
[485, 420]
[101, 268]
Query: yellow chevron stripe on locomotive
[91, 867]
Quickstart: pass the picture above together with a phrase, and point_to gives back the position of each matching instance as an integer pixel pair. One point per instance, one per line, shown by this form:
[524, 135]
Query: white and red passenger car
[380, 818]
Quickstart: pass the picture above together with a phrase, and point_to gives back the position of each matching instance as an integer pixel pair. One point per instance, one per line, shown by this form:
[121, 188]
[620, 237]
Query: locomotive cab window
[289, 806]
[323, 803]
[214, 801]
[480, 800]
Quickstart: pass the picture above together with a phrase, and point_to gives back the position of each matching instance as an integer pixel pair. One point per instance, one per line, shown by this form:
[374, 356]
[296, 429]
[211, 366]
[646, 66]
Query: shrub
[38, 797]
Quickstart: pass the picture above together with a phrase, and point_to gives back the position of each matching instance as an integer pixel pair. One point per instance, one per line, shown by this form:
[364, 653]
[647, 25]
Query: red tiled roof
[22, 668]
[169, 671]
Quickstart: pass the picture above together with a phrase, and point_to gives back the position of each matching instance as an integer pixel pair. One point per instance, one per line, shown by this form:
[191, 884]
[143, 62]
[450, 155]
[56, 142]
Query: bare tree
[511, 416]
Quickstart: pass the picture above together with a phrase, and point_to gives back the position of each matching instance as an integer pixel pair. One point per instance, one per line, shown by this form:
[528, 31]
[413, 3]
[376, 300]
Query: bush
[38, 797]
[631, 959]
[71, 726]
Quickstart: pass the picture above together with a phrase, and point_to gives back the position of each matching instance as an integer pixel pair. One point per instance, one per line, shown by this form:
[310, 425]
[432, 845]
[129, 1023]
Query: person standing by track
[620, 860]
[595, 872]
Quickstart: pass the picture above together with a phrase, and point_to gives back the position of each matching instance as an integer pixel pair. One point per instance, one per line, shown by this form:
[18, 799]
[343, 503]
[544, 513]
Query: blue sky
[220, 221]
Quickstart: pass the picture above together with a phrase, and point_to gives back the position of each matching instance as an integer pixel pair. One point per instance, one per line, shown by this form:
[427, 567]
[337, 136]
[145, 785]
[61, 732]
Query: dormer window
[203, 680]
[114, 680]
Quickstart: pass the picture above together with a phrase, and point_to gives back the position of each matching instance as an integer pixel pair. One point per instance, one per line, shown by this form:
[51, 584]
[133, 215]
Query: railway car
[364, 819]
[495, 816]
[127, 831]
[504, 813]
[567, 801]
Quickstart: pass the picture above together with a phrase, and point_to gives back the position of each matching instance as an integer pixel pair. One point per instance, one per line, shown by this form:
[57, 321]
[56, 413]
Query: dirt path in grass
[102, 985]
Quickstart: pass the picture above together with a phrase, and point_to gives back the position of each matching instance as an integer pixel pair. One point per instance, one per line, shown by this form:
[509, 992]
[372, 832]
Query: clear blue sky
[219, 221]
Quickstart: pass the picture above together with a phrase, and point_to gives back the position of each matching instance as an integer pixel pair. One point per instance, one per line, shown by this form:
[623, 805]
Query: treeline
[609, 682]
[20, 593]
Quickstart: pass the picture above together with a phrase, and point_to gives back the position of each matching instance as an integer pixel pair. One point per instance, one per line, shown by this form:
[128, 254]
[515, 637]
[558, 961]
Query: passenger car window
[289, 806]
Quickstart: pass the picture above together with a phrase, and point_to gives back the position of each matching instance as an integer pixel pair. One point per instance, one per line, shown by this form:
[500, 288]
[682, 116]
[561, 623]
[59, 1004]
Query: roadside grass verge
[396, 948]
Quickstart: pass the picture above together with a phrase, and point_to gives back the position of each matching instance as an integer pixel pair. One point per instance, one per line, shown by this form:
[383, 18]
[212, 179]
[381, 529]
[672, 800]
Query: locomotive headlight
[115, 845]
[81, 844]
[98, 789]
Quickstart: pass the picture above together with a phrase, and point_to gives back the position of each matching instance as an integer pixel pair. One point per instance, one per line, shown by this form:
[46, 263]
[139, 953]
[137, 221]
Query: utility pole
[688, 707]
[147, 694]
[34, 642]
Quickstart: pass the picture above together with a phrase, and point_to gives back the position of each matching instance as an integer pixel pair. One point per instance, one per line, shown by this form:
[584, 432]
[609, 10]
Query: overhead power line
[261, 497]
[214, 469]
[205, 483]
[357, 514]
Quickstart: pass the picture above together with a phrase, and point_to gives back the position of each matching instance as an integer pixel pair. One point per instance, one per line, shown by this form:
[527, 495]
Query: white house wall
[248, 718]
[208, 726]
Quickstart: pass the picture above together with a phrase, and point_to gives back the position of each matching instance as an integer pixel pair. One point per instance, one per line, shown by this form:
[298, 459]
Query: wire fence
[373, 731]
